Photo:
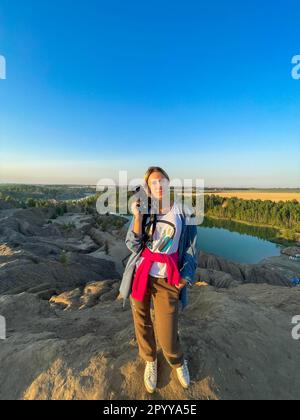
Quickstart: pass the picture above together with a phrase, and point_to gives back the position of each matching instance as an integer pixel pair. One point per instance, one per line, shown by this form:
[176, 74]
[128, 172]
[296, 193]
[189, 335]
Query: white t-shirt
[165, 239]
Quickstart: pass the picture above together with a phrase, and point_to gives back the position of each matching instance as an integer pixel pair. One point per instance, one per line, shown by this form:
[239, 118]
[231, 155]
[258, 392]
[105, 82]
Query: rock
[33, 252]
[263, 272]
[46, 294]
[4, 205]
[69, 337]
[5, 251]
[238, 343]
[77, 221]
[216, 278]
[291, 251]
[97, 237]
[39, 288]
[67, 300]
[97, 292]
[23, 273]
[88, 296]
[214, 262]
[259, 273]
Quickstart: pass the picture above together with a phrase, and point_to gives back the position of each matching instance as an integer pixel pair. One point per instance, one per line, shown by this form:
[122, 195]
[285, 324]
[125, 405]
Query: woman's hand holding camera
[135, 209]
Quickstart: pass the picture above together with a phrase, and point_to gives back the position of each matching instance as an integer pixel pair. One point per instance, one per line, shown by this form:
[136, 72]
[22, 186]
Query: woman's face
[158, 184]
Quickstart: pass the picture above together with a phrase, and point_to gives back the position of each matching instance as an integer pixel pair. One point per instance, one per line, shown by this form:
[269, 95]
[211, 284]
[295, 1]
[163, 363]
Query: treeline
[45, 192]
[87, 204]
[263, 232]
[13, 202]
[60, 207]
[283, 214]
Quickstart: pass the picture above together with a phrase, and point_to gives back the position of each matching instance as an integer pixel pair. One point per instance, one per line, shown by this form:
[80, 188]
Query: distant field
[262, 195]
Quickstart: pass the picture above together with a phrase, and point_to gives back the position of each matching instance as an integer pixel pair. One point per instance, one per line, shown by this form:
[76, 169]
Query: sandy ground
[255, 195]
[81, 345]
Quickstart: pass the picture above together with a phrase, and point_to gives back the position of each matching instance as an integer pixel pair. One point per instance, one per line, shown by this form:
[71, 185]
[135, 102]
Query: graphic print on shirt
[163, 236]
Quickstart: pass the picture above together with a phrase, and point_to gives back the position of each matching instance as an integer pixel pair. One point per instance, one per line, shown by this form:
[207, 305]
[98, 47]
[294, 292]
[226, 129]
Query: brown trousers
[166, 307]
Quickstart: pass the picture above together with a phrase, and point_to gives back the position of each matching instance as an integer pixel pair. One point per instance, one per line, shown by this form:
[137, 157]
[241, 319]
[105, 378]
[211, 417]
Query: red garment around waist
[140, 281]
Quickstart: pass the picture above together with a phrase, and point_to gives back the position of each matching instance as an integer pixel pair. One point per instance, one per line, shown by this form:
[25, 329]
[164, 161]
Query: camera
[144, 201]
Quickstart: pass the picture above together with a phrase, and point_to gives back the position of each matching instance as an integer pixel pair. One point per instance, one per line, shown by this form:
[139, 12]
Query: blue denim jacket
[187, 257]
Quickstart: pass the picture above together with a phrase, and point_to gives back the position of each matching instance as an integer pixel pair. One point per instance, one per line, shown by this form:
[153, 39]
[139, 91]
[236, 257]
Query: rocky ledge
[69, 337]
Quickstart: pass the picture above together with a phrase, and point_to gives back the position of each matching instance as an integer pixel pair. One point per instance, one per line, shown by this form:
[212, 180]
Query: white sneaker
[150, 376]
[183, 374]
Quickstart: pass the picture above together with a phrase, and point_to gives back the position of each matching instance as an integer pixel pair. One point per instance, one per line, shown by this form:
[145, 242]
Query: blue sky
[202, 88]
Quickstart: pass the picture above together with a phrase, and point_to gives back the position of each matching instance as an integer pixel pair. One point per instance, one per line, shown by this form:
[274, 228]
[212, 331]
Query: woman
[162, 264]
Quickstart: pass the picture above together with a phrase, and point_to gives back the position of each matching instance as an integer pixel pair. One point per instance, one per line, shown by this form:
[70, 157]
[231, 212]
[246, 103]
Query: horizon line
[95, 185]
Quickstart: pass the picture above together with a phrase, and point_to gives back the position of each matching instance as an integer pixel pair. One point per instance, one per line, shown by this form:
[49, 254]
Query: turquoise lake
[236, 241]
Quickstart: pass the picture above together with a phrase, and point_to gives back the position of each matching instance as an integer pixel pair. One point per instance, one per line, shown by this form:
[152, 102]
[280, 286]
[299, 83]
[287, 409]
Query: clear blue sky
[202, 88]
